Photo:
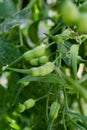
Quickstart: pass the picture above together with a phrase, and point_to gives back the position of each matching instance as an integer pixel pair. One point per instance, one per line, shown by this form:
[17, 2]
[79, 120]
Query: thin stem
[50, 125]
[21, 38]
[60, 55]
[47, 107]
[17, 95]
[41, 98]
[65, 106]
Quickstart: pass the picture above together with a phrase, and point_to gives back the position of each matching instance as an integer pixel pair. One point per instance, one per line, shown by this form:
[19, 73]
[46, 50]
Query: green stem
[41, 98]
[50, 124]
[24, 71]
[21, 38]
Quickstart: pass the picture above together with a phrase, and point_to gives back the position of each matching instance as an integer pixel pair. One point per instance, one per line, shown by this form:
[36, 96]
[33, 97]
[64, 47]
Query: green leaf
[83, 79]
[51, 78]
[8, 53]
[33, 32]
[7, 8]
[83, 118]
[65, 55]
[78, 88]
[18, 19]
[74, 53]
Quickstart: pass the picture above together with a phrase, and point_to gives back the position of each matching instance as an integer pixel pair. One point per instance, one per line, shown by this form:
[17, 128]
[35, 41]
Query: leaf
[83, 118]
[8, 53]
[18, 19]
[83, 79]
[65, 55]
[78, 88]
[51, 78]
[33, 32]
[74, 53]
[7, 8]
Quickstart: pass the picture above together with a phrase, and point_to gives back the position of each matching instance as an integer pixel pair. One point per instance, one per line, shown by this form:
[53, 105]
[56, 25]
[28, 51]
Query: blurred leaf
[7, 8]
[18, 19]
[83, 79]
[33, 32]
[8, 53]
[65, 55]
[51, 78]
[78, 116]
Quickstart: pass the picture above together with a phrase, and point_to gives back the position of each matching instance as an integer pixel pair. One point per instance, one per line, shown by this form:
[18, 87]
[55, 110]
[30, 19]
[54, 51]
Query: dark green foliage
[49, 101]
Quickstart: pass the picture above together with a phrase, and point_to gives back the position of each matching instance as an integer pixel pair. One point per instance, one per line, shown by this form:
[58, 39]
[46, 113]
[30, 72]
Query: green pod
[46, 68]
[34, 71]
[21, 108]
[34, 62]
[29, 103]
[42, 70]
[39, 51]
[70, 13]
[43, 59]
[82, 23]
[54, 109]
[34, 53]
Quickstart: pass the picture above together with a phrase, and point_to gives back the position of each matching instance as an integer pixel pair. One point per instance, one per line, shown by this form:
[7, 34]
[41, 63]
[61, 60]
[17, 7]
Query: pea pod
[21, 108]
[82, 23]
[43, 59]
[54, 109]
[36, 52]
[38, 61]
[43, 70]
[70, 12]
[29, 103]
[36, 71]
[34, 62]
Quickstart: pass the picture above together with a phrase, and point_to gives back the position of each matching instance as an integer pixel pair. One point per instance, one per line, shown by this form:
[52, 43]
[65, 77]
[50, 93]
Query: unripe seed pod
[29, 103]
[21, 108]
[37, 71]
[40, 50]
[82, 23]
[34, 71]
[43, 59]
[54, 109]
[72, 17]
[42, 70]
[34, 62]
[28, 55]
[36, 52]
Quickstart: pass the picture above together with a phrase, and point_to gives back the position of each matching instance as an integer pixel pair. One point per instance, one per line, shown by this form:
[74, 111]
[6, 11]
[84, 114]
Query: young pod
[82, 23]
[70, 12]
[34, 71]
[54, 109]
[36, 52]
[21, 108]
[34, 62]
[46, 68]
[29, 103]
[38, 61]
[43, 59]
